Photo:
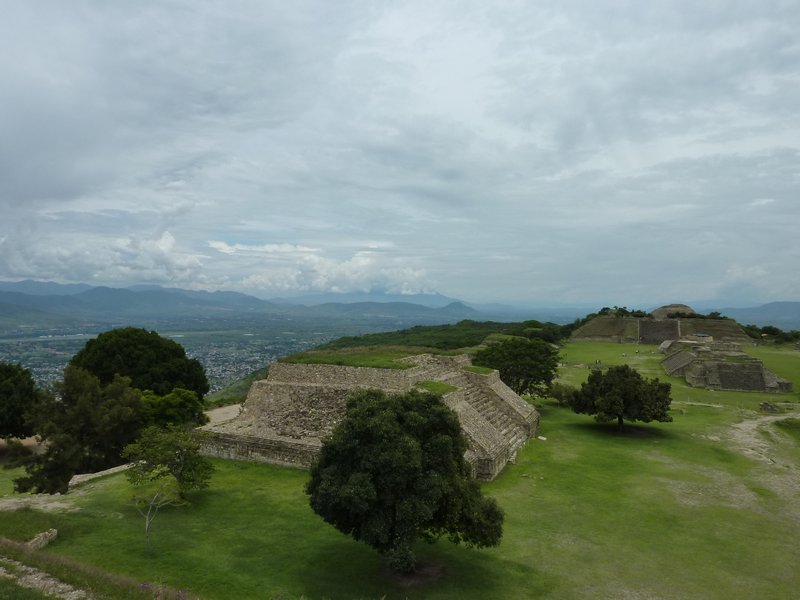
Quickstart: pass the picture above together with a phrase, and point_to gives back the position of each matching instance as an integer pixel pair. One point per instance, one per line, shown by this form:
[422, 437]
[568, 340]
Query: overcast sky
[630, 153]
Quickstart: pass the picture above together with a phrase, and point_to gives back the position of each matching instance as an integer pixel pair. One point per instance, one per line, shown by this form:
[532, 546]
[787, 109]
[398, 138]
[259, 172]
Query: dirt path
[757, 440]
[223, 413]
[43, 502]
[747, 437]
[34, 579]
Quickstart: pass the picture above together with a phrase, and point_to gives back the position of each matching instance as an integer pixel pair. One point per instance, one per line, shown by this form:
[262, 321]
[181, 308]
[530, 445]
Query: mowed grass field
[703, 507]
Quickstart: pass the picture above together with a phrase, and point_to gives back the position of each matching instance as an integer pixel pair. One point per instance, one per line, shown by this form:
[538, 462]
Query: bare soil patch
[746, 437]
[756, 439]
[717, 488]
[223, 413]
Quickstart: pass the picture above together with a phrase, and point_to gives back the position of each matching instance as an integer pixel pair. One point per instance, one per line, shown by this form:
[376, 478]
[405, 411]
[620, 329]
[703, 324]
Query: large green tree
[151, 361]
[622, 394]
[393, 471]
[85, 428]
[526, 366]
[18, 400]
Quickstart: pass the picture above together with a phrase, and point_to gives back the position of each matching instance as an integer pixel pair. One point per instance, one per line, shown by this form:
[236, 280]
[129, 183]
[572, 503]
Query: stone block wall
[746, 374]
[286, 417]
[259, 449]
[656, 332]
[299, 410]
[741, 376]
[355, 377]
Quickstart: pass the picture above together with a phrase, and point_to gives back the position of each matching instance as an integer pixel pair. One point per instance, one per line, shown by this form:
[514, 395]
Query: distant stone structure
[706, 352]
[663, 312]
[287, 415]
[720, 367]
[659, 328]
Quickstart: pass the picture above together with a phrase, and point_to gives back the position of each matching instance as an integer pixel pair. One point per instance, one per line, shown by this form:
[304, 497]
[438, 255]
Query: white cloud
[362, 272]
[636, 149]
[260, 249]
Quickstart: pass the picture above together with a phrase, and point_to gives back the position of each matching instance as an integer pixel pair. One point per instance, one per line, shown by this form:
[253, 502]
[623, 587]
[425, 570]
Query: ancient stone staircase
[488, 407]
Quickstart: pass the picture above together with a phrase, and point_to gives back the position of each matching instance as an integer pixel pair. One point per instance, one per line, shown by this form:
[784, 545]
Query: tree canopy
[525, 366]
[151, 361]
[168, 452]
[621, 393]
[18, 399]
[87, 426]
[393, 471]
[179, 407]
[85, 430]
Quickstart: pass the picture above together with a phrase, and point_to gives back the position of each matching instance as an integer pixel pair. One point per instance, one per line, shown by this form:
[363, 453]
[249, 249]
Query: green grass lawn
[380, 357]
[675, 510]
[437, 387]
[12, 591]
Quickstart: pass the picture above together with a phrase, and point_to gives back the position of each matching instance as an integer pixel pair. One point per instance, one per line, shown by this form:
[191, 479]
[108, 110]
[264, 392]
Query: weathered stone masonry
[287, 415]
[720, 367]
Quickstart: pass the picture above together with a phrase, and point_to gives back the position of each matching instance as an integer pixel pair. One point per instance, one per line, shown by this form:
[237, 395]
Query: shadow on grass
[447, 571]
[630, 431]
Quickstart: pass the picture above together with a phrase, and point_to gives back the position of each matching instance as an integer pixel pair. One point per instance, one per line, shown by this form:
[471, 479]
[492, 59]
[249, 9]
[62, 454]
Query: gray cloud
[572, 151]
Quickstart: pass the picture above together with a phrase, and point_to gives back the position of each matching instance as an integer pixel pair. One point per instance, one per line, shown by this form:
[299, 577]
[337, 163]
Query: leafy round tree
[525, 365]
[151, 361]
[621, 393]
[172, 451]
[18, 398]
[393, 471]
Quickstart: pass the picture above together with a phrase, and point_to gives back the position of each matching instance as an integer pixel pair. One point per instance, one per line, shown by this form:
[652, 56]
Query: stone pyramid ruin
[287, 415]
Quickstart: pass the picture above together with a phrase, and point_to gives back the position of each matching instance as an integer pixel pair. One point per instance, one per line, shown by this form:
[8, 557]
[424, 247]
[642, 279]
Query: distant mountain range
[784, 315]
[433, 300]
[41, 304]
[43, 288]
[67, 306]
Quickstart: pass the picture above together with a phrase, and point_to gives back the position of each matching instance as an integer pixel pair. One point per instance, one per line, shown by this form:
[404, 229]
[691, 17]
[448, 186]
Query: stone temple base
[287, 415]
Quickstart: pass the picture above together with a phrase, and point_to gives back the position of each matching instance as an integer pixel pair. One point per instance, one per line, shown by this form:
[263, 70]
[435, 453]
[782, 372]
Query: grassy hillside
[602, 327]
[704, 507]
[379, 357]
[235, 393]
[437, 337]
[382, 350]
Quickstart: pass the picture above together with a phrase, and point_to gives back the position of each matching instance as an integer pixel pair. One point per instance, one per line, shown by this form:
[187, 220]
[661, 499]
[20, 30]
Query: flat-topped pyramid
[287, 415]
[659, 327]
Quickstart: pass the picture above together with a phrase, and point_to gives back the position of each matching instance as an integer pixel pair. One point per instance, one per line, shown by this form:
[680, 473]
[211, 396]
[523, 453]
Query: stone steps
[482, 402]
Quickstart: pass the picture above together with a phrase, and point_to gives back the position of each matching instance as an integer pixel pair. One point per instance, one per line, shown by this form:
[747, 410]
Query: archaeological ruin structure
[719, 366]
[659, 327]
[705, 351]
[287, 416]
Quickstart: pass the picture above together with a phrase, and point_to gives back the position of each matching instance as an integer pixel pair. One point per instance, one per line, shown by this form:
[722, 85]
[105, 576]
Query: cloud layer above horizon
[548, 153]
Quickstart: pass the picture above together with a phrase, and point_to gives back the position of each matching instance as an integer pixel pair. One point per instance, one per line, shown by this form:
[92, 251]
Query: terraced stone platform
[287, 415]
[717, 367]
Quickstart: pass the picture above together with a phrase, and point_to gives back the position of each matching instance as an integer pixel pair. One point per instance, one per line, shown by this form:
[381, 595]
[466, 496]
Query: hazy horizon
[349, 297]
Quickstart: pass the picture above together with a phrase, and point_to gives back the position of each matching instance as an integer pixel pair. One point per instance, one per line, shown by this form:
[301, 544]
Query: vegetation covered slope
[383, 349]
